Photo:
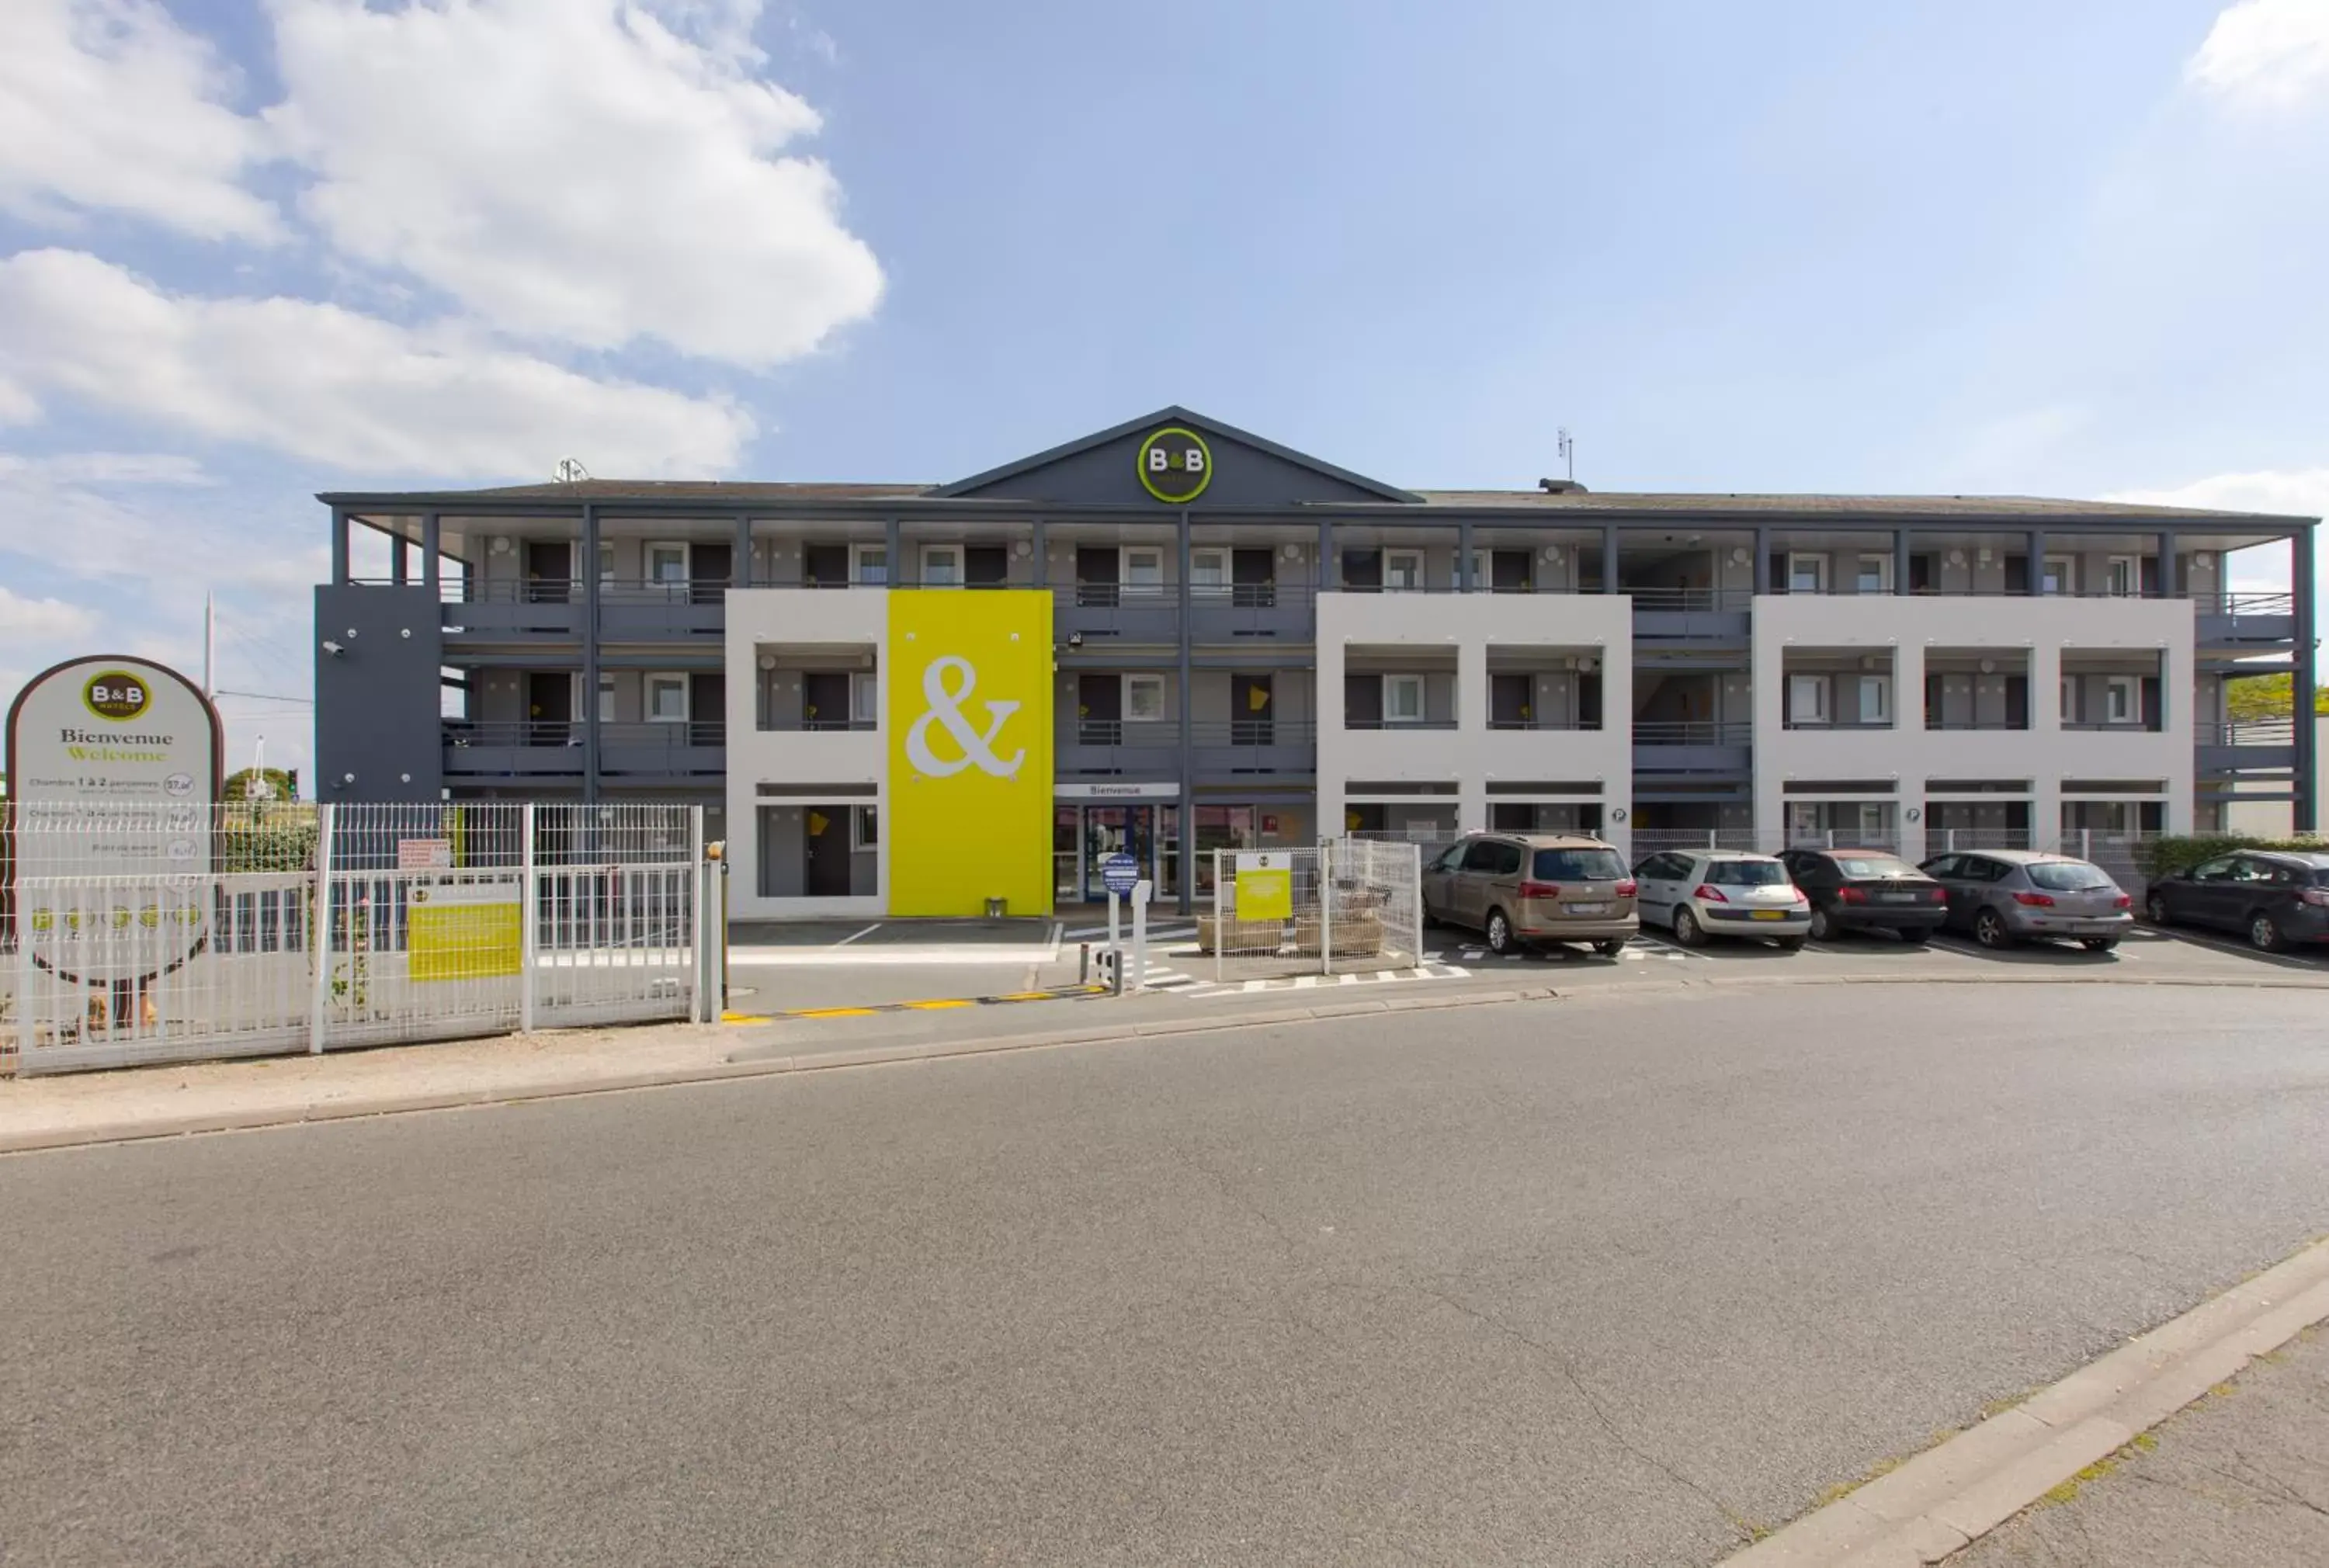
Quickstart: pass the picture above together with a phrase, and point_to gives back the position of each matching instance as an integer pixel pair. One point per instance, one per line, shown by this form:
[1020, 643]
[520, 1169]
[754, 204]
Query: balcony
[666, 749]
[1248, 746]
[1250, 612]
[1554, 721]
[534, 609]
[520, 749]
[636, 611]
[1113, 745]
[2243, 619]
[1700, 614]
[1693, 746]
[2245, 744]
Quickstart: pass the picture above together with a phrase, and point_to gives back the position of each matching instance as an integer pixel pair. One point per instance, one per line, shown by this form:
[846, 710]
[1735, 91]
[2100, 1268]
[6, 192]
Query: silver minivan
[1519, 889]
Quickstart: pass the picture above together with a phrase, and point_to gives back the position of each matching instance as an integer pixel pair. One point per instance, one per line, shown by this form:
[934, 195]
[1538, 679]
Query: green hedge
[2166, 857]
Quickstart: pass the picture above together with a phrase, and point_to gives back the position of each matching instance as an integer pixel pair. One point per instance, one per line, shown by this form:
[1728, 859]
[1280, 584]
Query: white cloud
[335, 386]
[109, 105]
[2266, 53]
[2286, 491]
[79, 516]
[30, 620]
[594, 171]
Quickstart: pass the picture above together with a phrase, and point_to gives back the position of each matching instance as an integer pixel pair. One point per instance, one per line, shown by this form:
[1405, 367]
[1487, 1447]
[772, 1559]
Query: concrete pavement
[1580, 1282]
[2239, 1480]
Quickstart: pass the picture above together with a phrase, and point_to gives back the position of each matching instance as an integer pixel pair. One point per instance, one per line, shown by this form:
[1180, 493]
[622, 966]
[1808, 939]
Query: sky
[251, 249]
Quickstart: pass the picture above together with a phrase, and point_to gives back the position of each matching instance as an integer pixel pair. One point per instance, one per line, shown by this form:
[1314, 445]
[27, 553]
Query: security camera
[331, 647]
[1075, 639]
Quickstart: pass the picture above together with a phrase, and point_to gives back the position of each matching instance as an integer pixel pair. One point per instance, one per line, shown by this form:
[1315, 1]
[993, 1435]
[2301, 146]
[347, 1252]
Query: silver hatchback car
[1703, 893]
[2008, 896]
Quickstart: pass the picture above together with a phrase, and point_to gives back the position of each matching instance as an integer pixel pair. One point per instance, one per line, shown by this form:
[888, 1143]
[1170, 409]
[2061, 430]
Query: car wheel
[1989, 930]
[2155, 908]
[1917, 936]
[1685, 928]
[1822, 926]
[2099, 944]
[2264, 932]
[1611, 948]
[1500, 932]
[1788, 944]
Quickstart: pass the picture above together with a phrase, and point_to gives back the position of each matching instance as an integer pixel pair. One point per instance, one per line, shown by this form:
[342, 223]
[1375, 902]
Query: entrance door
[1508, 700]
[1096, 574]
[1118, 830]
[825, 700]
[549, 707]
[1253, 576]
[1252, 723]
[549, 570]
[709, 564]
[826, 847]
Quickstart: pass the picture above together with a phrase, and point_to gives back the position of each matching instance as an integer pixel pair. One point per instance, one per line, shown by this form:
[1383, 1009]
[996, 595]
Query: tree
[2268, 697]
[280, 786]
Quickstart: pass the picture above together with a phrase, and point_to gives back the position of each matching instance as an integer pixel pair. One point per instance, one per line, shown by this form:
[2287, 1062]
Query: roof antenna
[1569, 453]
[570, 470]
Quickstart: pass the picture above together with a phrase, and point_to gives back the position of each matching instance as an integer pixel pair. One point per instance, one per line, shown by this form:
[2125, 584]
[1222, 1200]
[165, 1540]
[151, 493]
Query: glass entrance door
[1118, 830]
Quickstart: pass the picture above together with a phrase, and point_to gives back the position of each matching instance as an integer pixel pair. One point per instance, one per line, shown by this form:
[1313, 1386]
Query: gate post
[319, 1000]
[529, 916]
[1327, 907]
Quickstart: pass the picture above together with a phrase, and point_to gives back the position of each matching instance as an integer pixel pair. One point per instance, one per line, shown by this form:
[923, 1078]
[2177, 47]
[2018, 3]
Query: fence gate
[1344, 907]
[156, 933]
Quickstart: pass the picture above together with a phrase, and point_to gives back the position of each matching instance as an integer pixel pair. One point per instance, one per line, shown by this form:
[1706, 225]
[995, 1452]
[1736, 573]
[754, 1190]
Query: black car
[2274, 898]
[1867, 890]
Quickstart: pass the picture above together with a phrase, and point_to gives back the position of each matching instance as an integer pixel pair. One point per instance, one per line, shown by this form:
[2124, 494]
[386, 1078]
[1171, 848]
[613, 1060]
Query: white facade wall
[1905, 626]
[1472, 755]
[857, 618]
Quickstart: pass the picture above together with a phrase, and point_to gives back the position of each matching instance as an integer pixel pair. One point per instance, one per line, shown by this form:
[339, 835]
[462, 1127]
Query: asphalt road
[1611, 1280]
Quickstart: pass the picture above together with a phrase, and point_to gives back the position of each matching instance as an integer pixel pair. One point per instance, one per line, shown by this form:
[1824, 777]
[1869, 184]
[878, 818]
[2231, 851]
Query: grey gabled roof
[1173, 414]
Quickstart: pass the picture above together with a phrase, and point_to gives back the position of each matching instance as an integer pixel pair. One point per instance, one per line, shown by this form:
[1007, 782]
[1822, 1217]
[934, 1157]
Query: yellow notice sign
[464, 931]
[969, 700]
[1265, 886]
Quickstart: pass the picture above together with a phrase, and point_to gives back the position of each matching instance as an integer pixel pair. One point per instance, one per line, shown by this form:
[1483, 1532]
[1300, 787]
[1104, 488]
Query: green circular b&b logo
[116, 695]
[1175, 465]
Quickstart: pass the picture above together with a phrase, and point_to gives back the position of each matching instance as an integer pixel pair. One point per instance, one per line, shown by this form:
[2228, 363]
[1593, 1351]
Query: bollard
[1083, 963]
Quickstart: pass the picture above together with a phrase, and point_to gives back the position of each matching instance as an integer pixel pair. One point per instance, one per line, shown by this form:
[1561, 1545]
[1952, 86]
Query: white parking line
[2295, 959]
[1659, 944]
[867, 932]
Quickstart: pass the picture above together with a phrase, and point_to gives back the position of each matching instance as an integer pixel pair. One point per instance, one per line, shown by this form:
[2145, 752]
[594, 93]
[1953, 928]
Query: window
[1807, 574]
[1876, 699]
[1403, 570]
[1578, 866]
[1874, 576]
[1744, 874]
[1403, 699]
[1451, 860]
[2122, 700]
[606, 699]
[872, 564]
[1872, 819]
[864, 699]
[667, 698]
[1208, 573]
[667, 563]
[1142, 569]
[864, 828]
[1803, 820]
[2126, 580]
[1484, 569]
[2069, 877]
[1808, 699]
[2070, 699]
[606, 561]
[941, 566]
[2060, 577]
[2222, 870]
[1144, 699]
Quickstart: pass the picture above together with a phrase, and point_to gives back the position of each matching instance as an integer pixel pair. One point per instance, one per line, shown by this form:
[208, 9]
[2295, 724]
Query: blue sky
[253, 248]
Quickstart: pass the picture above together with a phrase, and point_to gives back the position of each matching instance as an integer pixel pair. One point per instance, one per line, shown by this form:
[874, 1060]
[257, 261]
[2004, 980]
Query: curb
[1950, 1496]
[750, 1063]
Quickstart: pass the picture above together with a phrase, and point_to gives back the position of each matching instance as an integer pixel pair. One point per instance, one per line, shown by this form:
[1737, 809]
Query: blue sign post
[1118, 873]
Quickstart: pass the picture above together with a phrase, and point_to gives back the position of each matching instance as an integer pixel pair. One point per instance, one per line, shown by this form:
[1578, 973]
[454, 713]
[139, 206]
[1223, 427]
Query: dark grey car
[2003, 896]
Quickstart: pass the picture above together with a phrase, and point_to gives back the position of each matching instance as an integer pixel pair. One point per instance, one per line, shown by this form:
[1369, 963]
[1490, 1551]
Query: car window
[1480, 856]
[1657, 868]
[1508, 860]
[2252, 870]
[1977, 869]
[2218, 869]
[1744, 874]
[2067, 877]
[1942, 867]
[1451, 859]
[1866, 866]
[1578, 866]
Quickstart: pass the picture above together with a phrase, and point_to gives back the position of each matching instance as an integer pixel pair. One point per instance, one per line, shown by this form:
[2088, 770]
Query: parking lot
[2147, 953]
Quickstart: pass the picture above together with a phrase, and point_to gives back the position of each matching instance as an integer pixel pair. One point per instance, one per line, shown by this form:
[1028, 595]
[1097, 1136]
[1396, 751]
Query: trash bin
[996, 908]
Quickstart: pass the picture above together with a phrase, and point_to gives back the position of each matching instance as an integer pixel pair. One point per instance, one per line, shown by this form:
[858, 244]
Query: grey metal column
[399, 561]
[1609, 558]
[739, 558]
[2037, 547]
[1188, 737]
[1900, 561]
[1463, 556]
[1762, 560]
[2170, 586]
[339, 549]
[1041, 545]
[2309, 730]
[1325, 557]
[432, 546]
[589, 652]
[893, 551]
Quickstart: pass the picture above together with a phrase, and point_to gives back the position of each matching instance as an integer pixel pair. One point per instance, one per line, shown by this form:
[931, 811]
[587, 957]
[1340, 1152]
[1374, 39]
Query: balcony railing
[1419, 723]
[1841, 724]
[1970, 725]
[769, 726]
[671, 733]
[2112, 726]
[466, 733]
[2280, 731]
[1691, 601]
[1554, 721]
[1693, 732]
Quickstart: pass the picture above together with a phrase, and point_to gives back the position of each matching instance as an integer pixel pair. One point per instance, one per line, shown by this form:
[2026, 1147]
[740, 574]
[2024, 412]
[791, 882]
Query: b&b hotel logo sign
[1176, 466]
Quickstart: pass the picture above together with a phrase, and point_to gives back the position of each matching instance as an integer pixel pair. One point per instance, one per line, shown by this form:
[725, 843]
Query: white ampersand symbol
[946, 709]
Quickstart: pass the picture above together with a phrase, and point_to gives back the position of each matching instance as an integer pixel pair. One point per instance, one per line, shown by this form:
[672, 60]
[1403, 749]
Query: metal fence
[158, 932]
[1340, 909]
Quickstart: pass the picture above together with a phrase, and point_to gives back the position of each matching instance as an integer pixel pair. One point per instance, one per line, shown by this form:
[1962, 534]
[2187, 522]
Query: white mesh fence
[1339, 908]
[153, 932]
[1375, 892]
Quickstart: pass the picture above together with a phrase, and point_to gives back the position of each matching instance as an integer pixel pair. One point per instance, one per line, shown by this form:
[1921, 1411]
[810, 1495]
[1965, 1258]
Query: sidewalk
[2240, 1480]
